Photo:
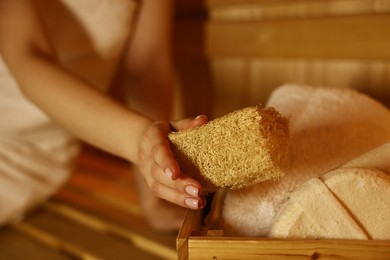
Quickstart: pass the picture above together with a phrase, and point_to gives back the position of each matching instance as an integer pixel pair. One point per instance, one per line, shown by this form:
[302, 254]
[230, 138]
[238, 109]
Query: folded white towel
[328, 127]
[346, 203]
[36, 155]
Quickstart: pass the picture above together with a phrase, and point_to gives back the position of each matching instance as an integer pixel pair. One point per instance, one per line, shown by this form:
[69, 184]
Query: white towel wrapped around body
[37, 155]
[328, 128]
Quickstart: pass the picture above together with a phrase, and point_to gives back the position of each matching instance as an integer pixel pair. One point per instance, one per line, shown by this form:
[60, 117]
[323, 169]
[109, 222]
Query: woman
[60, 76]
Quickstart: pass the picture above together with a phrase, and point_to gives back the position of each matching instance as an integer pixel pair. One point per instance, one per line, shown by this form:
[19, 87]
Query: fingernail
[192, 190]
[192, 203]
[169, 173]
[200, 116]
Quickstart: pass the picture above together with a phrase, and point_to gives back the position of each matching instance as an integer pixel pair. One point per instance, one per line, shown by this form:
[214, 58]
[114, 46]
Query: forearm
[80, 108]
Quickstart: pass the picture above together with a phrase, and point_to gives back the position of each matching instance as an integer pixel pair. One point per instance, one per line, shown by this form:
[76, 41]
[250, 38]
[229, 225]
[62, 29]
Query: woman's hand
[160, 169]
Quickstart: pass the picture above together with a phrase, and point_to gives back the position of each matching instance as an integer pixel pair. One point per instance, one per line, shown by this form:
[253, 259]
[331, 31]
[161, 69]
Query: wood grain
[196, 241]
[347, 37]
[94, 216]
[247, 248]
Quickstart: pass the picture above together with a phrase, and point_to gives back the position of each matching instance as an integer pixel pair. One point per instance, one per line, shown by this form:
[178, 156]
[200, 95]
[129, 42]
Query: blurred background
[233, 53]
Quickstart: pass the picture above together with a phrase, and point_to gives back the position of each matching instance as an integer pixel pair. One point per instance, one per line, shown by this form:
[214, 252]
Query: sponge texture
[239, 149]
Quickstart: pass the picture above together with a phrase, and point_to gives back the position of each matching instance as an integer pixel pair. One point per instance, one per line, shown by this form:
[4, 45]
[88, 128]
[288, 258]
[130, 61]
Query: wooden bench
[94, 216]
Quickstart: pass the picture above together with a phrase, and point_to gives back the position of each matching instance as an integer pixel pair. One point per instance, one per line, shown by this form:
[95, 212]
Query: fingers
[162, 172]
[183, 191]
[189, 122]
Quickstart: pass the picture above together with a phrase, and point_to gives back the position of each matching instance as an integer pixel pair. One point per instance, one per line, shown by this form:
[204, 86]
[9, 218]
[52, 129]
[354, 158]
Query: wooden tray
[198, 240]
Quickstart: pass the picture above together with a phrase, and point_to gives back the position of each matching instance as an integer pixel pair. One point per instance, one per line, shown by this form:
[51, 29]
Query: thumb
[189, 122]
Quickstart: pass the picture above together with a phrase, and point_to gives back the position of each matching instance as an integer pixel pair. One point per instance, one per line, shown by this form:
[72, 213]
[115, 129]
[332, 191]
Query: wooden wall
[233, 53]
[192, 63]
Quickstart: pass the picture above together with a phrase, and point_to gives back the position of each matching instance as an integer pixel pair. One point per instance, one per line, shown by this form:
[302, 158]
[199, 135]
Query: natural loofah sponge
[239, 149]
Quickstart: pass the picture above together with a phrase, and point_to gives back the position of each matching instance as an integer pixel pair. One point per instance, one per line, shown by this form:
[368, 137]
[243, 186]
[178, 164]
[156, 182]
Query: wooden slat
[241, 82]
[247, 248]
[74, 206]
[112, 210]
[80, 239]
[151, 246]
[16, 245]
[94, 216]
[118, 191]
[111, 213]
[255, 10]
[102, 164]
[206, 243]
[350, 37]
[54, 243]
[97, 202]
[101, 200]
[191, 223]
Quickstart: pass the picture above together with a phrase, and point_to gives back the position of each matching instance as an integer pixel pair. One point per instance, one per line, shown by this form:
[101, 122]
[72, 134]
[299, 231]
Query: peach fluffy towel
[328, 128]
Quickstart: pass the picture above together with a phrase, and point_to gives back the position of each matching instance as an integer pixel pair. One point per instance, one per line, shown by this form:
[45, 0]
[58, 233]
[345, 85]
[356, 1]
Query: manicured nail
[200, 116]
[192, 203]
[169, 173]
[192, 190]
